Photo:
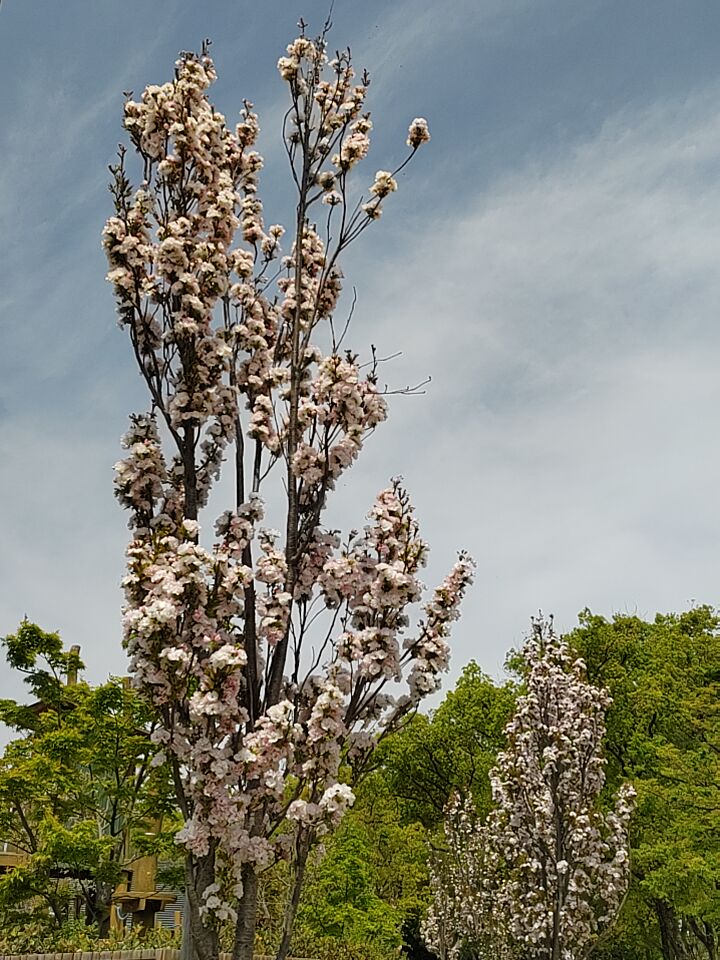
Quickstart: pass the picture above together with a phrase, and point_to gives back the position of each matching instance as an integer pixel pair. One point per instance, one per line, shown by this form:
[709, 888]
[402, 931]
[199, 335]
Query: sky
[550, 260]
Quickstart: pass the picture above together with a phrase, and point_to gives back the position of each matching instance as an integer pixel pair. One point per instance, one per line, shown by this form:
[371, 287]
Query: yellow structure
[10, 856]
[137, 895]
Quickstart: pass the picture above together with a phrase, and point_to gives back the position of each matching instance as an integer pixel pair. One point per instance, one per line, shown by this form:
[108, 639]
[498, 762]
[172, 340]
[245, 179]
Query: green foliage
[663, 733]
[362, 888]
[321, 947]
[41, 658]
[77, 782]
[342, 902]
[450, 751]
[75, 787]
[370, 890]
[38, 936]
[634, 935]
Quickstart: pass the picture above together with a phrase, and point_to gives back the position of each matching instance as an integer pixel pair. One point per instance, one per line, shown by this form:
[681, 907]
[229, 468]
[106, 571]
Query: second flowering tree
[274, 659]
[547, 872]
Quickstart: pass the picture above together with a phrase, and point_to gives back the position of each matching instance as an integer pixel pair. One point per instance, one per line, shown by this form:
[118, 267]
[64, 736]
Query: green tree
[76, 785]
[371, 884]
[450, 751]
[663, 733]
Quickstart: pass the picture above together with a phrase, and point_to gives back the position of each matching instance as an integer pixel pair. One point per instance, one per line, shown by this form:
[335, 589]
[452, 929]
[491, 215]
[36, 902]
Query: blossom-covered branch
[258, 701]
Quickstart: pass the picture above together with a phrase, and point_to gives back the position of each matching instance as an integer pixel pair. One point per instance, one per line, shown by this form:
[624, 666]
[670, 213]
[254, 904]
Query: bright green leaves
[451, 750]
[77, 786]
[370, 885]
[41, 658]
[663, 732]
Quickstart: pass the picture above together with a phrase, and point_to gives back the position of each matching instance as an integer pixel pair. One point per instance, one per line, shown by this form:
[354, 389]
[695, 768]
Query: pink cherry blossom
[274, 660]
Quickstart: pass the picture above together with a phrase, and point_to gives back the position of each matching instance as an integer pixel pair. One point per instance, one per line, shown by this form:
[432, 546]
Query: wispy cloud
[568, 319]
[566, 309]
[410, 32]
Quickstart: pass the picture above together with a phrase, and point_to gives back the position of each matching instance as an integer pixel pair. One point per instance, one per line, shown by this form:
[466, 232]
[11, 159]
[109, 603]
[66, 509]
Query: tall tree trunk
[187, 949]
[98, 900]
[247, 912]
[705, 933]
[673, 946]
[291, 906]
[199, 874]
[103, 906]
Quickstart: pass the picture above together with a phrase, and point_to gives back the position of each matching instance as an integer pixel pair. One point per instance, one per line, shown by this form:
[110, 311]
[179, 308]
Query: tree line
[79, 780]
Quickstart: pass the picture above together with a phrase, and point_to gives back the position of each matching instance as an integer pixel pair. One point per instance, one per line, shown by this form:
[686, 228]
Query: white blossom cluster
[550, 867]
[462, 918]
[258, 705]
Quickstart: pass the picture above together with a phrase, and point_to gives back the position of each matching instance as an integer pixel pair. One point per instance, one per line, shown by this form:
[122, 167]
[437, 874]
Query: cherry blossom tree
[462, 919]
[548, 870]
[274, 660]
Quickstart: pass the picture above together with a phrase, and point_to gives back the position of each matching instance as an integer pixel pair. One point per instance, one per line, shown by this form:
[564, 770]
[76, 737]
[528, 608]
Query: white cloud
[63, 539]
[569, 321]
[416, 31]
